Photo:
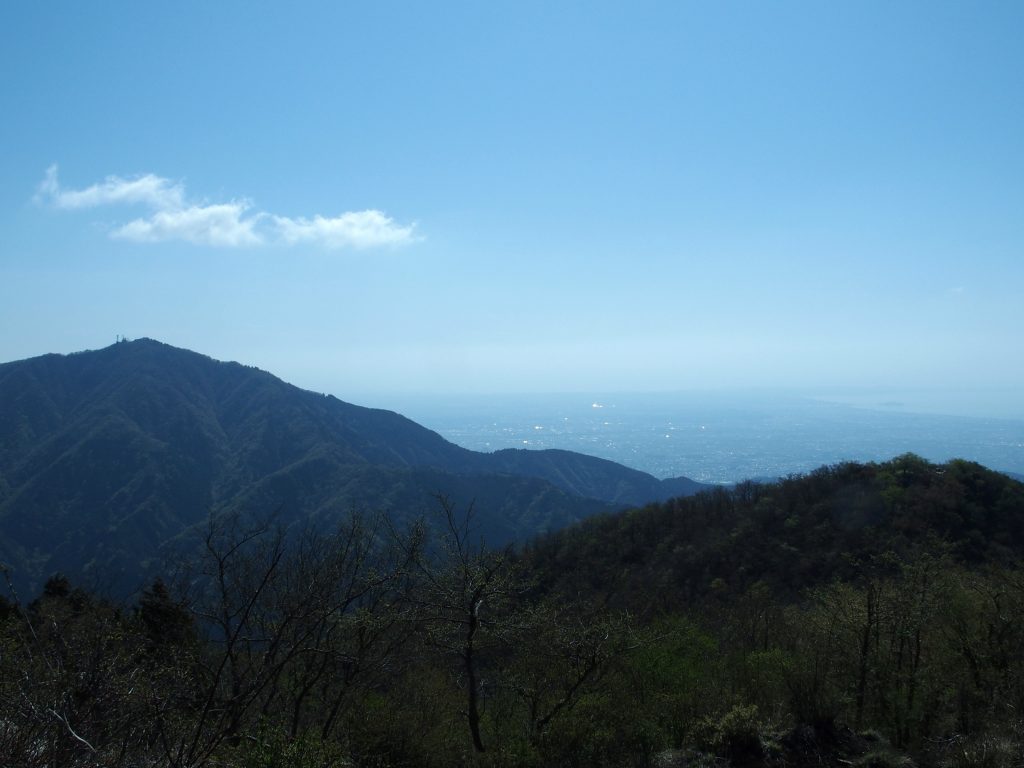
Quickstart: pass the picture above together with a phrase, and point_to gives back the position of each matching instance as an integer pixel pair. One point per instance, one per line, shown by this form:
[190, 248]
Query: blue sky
[501, 197]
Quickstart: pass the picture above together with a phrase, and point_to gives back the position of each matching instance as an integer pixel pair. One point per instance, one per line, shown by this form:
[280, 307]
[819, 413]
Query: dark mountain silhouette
[585, 475]
[106, 455]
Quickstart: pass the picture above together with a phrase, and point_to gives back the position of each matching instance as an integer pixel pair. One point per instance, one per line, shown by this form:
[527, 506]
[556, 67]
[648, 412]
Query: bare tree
[293, 623]
[463, 602]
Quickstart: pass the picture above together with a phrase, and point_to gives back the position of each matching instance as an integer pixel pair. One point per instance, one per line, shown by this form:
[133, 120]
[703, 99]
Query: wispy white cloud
[149, 190]
[360, 229]
[220, 225]
[232, 225]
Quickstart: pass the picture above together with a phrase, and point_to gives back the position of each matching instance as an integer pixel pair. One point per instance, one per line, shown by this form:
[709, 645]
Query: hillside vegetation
[800, 532]
[865, 615]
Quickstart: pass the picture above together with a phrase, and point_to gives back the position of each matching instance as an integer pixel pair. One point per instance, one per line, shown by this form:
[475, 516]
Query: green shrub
[736, 735]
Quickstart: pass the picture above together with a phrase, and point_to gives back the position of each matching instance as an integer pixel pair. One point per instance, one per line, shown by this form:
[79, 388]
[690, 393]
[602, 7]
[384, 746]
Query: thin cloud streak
[360, 229]
[225, 225]
[150, 190]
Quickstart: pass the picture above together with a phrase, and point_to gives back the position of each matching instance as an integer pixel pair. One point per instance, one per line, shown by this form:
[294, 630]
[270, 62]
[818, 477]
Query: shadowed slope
[104, 455]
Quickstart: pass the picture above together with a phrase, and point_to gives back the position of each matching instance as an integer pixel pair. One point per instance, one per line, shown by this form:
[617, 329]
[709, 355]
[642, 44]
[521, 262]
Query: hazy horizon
[981, 404]
[396, 198]
[984, 402]
[718, 437]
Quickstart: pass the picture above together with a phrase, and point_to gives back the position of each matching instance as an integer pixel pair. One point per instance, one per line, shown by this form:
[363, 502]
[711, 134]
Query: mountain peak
[107, 455]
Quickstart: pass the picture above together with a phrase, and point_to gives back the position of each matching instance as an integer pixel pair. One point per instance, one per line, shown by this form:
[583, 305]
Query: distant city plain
[725, 438]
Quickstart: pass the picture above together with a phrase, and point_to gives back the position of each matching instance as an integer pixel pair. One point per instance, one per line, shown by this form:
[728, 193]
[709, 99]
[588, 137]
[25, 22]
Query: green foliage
[800, 532]
[675, 675]
[274, 748]
[734, 735]
[367, 647]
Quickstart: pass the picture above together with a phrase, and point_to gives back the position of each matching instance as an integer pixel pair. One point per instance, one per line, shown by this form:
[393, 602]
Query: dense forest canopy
[790, 535]
[862, 614]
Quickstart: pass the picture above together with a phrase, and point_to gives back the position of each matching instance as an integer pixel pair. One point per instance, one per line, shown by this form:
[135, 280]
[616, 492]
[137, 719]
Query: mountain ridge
[106, 454]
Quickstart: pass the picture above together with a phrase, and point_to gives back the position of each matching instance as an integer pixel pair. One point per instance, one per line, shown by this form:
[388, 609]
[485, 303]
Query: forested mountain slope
[861, 615]
[788, 536]
[107, 454]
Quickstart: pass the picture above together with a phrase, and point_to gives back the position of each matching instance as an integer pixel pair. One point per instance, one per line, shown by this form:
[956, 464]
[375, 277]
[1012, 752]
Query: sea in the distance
[724, 437]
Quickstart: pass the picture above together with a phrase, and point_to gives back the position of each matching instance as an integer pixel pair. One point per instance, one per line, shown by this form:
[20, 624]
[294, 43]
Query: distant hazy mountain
[589, 476]
[105, 455]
